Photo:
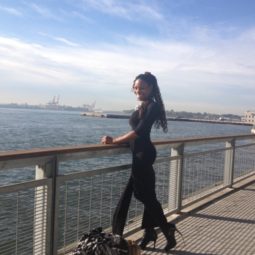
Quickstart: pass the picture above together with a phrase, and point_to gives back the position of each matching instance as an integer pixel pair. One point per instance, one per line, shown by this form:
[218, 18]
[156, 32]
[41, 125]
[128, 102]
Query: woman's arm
[120, 139]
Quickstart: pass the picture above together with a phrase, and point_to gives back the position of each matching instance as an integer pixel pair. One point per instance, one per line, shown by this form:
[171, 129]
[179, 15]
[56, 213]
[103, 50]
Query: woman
[142, 179]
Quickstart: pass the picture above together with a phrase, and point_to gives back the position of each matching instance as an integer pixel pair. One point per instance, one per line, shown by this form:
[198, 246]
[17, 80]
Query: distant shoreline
[42, 107]
[125, 116]
[212, 121]
[171, 115]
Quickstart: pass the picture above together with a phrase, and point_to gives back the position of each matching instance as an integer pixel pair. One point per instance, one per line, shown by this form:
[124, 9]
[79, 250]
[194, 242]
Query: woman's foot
[150, 235]
[171, 242]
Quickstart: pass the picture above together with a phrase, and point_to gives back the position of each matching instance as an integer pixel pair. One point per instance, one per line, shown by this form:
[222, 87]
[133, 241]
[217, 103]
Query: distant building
[249, 117]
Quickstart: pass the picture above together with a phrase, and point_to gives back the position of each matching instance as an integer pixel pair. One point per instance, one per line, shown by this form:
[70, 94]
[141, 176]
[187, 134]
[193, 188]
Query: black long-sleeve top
[142, 146]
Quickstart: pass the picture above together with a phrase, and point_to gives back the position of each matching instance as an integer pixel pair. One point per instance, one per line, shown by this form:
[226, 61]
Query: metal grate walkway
[225, 227]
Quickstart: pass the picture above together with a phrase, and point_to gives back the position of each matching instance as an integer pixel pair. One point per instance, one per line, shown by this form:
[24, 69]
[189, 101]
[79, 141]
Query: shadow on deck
[222, 227]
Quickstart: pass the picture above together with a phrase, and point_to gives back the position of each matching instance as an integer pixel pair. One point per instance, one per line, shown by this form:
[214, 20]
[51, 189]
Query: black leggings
[142, 184]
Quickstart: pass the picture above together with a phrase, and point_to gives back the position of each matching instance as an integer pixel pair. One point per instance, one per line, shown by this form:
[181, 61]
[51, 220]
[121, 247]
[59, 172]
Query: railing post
[175, 181]
[55, 214]
[229, 163]
[44, 208]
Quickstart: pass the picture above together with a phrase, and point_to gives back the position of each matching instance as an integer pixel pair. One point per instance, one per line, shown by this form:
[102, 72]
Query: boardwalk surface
[226, 227]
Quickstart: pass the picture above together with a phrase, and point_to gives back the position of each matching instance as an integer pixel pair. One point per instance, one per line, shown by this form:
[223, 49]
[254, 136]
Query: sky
[201, 51]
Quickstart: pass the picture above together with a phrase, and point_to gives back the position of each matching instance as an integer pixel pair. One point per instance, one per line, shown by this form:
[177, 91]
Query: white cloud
[79, 15]
[59, 39]
[44, 12]
[125, 9]
[190, 73]
[248, 36]
[65, 41]
[11, 10]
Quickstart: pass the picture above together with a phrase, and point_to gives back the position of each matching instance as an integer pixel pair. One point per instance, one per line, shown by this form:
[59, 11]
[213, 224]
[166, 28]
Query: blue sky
[201, 51]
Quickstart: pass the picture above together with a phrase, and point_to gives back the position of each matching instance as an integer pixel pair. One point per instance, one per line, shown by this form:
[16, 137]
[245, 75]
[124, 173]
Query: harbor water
[27, 129]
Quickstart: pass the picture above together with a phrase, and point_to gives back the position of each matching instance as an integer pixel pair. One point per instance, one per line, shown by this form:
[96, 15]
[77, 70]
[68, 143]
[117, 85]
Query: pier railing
[49, 197]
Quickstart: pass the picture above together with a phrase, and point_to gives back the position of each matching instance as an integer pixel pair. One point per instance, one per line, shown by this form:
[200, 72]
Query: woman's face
[142, 90]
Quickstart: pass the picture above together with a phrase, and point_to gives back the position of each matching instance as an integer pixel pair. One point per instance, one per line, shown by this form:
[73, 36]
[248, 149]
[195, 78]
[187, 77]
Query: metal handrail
[48, 181]
[10, 159]
[46, 152]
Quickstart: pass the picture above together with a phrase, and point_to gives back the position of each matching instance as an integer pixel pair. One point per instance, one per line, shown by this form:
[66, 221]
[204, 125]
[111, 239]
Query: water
[26, 129]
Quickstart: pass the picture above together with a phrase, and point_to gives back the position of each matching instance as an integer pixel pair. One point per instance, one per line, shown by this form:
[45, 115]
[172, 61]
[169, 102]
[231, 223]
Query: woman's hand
[120, 139]
[107, 140]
